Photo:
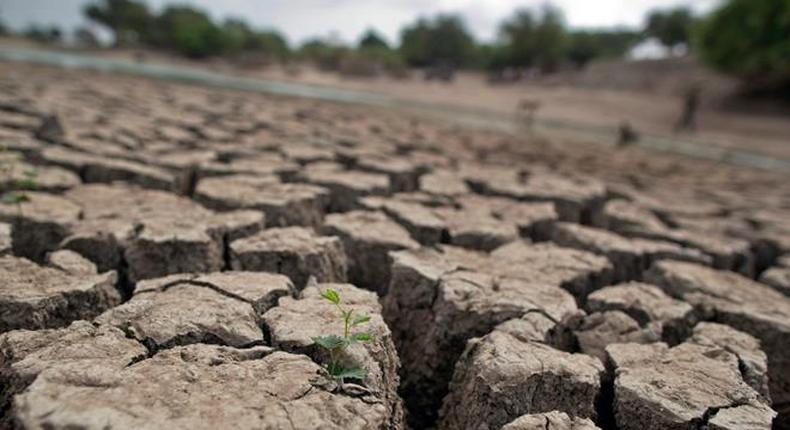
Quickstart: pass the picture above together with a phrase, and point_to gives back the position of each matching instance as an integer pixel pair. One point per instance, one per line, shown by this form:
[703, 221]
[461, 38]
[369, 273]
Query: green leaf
[14, 198]
[329, 342]
[30, 174]
[9, 198]
[26, 184]
[361, 337]
[335, 369]
[360, 319]
[331, 295]
[352, 373]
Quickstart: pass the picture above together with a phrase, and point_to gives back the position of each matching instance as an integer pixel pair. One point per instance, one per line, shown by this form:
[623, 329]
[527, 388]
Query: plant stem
[345, 320]
[332, 358]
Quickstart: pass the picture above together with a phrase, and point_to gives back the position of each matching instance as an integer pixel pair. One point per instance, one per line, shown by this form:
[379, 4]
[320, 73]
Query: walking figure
[526, 110]
[688, 120]
[626, 135]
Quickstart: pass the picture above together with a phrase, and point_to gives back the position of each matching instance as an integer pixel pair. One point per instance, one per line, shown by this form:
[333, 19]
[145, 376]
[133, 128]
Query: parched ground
[164, 270]
[646, 94]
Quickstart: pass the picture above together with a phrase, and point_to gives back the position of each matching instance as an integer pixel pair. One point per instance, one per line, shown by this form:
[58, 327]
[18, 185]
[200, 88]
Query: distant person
[688, 120]
[626, 135]
[526, 111]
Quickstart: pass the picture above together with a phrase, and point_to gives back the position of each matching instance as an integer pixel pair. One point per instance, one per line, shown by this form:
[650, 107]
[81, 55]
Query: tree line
[529, 38]
[747, 38]
[186, 30]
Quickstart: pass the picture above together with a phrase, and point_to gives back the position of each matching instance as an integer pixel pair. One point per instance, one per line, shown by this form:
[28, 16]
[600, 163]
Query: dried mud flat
[166, 270]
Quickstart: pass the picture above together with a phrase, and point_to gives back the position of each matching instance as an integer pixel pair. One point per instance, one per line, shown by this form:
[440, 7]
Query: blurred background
[716, 72]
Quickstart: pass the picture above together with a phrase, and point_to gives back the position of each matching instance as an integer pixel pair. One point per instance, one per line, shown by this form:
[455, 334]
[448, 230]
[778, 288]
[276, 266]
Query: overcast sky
[301, 19]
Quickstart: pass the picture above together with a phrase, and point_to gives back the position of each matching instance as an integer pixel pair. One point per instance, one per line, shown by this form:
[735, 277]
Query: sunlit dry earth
[163, 265]
[647, 95]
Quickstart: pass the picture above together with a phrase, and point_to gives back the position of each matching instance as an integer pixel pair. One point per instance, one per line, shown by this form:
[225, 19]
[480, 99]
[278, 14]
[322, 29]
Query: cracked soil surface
[166, 270]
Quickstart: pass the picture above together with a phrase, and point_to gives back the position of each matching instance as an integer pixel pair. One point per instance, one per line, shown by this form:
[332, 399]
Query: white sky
[301, 19]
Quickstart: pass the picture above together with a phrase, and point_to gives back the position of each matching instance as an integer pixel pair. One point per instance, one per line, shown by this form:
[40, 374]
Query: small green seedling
[14, 198]
[336, 344]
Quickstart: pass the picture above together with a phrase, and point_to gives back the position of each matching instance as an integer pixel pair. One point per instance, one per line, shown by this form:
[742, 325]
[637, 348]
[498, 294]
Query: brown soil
[168, 273]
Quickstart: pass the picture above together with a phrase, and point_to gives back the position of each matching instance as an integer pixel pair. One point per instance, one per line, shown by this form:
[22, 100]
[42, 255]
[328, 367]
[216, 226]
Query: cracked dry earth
[166, 271]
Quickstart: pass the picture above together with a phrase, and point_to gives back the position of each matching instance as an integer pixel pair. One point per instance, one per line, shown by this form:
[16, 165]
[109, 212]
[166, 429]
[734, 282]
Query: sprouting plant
[335, 345]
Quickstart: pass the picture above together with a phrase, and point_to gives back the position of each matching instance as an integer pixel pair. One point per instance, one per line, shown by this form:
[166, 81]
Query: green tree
[672, 27]
[587, 45]
[43, 34]
[535, 42]
[238, 37]
[749, 39]
[496, 57]
[268, 41]
[183, 29]
[371, 39]
[190, 32]
[451, 41]
[583, 48]
[415, 41]
[3, 28]
[551, 39]
[443, 39]
[327, 56]
[130, 21]
[235, 36]
[518, 33]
